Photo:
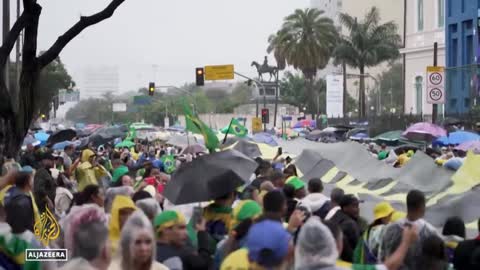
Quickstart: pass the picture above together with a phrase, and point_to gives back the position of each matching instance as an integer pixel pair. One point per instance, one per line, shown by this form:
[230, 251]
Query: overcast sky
[175, 35]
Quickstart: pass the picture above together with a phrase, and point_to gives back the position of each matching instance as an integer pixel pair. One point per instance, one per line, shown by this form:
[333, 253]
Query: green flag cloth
[195, 125]
[132, 134]
[168, 163]
[14, 247]
[236, 129]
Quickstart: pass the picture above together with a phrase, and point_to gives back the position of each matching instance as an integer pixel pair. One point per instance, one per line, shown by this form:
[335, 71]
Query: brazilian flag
[168, 164]
[195, 125]
[132, 134]
[235, 128]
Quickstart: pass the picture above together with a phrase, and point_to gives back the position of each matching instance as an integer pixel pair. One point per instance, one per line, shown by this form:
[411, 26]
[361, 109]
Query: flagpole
[228, 130]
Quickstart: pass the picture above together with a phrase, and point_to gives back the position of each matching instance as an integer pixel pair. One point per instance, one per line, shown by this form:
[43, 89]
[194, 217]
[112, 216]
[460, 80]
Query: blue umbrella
[264, 138]
[457, 137]
[359, 136]
[42, 137]
[61, 145]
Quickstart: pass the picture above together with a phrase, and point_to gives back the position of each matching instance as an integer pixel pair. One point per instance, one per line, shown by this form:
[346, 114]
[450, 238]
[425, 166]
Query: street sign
[223, 72]
[119, 107]
[435, 85]
[287, 118]
[256, 124]
[142, 100]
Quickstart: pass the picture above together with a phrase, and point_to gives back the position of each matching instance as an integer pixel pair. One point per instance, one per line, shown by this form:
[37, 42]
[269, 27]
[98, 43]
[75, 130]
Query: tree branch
[12, 37]
[75, 30]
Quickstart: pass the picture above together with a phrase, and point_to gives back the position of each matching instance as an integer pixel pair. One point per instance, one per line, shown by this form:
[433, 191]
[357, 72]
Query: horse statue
[262, 69]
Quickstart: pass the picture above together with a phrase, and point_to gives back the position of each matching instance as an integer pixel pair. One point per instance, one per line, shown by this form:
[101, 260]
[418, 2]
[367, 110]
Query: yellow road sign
[223, 72]
[256, 124]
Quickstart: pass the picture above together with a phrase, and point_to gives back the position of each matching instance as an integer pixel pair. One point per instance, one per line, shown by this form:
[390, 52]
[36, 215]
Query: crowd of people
[112, 214]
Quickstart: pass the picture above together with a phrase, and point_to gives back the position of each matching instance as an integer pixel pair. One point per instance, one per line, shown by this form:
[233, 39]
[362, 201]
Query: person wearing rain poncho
[122, 208]
[368, 246]
[89, 171]
[84, 224]
[416, 205]
[243, 217]
[137, 246]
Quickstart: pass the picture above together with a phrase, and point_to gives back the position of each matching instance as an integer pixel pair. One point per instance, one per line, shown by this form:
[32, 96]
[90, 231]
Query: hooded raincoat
[120, 202]
[87, 174]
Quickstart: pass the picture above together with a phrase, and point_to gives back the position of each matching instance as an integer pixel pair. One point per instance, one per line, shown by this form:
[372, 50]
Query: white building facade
[425, 26]
[97, 81]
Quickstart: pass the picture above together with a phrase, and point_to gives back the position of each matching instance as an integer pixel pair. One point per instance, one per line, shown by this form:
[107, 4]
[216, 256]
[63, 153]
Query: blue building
[463, 55]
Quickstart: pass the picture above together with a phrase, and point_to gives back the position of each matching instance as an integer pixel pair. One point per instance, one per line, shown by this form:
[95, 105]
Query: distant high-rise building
[99, 80]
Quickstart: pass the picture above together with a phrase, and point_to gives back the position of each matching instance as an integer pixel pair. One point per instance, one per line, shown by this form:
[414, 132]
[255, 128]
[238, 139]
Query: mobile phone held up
[197, 214]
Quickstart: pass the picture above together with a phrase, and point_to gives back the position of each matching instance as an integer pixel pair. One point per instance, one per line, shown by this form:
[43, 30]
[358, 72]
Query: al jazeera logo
[46, 229]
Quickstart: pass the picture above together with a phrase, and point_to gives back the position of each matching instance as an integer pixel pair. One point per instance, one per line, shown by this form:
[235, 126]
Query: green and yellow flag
[168, 163]
[195, 125]
[235, 128]
[132, 134]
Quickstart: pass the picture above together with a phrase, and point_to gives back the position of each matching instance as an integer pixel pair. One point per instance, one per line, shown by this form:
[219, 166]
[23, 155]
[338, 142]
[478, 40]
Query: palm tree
[368, 44]
[305, 41]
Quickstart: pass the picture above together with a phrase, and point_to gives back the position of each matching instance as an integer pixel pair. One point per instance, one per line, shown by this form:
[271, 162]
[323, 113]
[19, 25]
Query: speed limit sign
[435, 85]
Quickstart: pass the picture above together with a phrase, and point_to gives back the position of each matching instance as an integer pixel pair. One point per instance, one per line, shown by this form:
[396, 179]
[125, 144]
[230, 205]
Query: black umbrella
[249, 149]
[209, 177]
[61, 136]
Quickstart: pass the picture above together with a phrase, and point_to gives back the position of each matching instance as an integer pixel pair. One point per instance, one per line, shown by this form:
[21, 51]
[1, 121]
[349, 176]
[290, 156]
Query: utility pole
[435, 63]
[6, 30]
[277, 89]
[17, 56]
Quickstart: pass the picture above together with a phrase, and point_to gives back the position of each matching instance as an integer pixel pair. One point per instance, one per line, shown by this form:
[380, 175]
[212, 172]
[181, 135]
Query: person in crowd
[28, 158]
[118, 173]
[122, 208]
[383, 154]
[63, 197]
[44, 186]
[265, 187]
[290, 171]
[172, 248]
[416, 204]
[467, 253]
[318, 203]
[453, 233]
[347, 219]
[85, 224]
[218, 215]
[149, 206]
[243, 216]
[393, 262]
[89, 171]
[274, 206]
[140, 195]
[433, 256]
[126, 181]
[335, 198]
[22, 212]
[277, 179]
[137, 246]
[67, 155]
[91, 194]
[368, 246]
[268, 246]
[111, 193]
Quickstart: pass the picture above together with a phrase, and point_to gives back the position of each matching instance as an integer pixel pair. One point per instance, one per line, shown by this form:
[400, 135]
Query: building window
[419, 15]
[419, 94]
[463, 6]
[467, 103]
[453, 103]
[441, 13]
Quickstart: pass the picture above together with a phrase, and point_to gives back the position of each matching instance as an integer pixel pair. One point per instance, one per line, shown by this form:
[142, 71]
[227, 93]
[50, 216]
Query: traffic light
[43, 117]
[200, 76]
[151, 88]
[265, 116]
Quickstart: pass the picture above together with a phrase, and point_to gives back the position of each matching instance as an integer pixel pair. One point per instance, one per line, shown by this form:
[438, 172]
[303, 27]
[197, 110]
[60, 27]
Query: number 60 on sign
[435, 85]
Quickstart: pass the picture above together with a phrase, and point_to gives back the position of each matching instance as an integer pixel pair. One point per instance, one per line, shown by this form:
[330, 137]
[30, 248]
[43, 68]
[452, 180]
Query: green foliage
[390, 89]
[53, 78]
[368, 44]
[305, 41]
[294, 91]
